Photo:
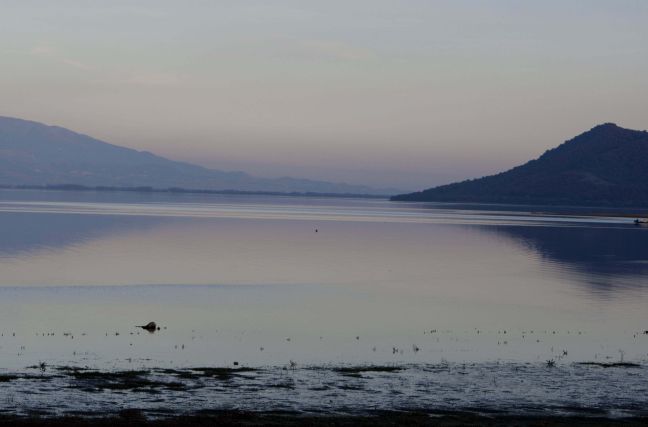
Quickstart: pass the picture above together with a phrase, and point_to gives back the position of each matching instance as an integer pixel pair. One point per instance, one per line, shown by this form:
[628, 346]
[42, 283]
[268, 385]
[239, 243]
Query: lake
[329, 304]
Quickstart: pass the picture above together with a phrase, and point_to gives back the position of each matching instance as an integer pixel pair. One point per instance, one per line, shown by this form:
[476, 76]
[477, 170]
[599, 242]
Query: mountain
[35, 154]
[607, 165]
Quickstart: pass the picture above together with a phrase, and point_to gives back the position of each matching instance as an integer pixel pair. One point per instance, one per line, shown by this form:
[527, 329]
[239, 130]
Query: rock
[150, 326]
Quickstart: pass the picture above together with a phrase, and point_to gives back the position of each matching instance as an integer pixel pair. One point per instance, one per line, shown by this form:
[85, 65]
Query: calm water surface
[263, 281]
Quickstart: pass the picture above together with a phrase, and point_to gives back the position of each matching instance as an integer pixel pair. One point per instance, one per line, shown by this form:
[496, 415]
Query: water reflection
[254, 240]
[373, 278]
[608, 260]
[24, 233]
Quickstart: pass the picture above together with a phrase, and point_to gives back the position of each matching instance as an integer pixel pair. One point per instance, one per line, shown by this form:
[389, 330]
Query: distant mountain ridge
[33, 153]
[607, 165]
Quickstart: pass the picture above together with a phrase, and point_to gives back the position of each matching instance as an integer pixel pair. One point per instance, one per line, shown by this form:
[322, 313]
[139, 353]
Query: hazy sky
[402, 93]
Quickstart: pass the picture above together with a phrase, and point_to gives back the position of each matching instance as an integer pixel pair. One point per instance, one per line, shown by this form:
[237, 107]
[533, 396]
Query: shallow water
[249, 280]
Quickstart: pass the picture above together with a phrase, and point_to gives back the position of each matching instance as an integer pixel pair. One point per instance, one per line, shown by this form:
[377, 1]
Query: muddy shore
[135, 418]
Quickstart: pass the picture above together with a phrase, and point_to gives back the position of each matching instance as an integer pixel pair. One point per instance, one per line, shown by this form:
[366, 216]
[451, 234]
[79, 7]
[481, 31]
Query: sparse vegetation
[220, 373]
[368, 368]
[612, 364]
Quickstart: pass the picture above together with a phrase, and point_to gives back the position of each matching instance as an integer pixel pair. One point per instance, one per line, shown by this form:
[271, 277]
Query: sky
[398, 93]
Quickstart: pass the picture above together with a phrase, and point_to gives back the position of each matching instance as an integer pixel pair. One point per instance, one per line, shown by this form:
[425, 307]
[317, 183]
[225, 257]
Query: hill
[34, 154]
[607, 165]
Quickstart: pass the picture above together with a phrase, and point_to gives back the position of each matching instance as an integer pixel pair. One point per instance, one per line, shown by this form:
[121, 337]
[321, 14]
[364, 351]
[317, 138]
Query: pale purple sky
[399, 93]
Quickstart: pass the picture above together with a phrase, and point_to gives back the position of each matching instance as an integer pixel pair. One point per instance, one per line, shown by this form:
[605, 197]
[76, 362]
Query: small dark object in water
[645, 332]
[316, 230]
[551, 363]
[150, 326]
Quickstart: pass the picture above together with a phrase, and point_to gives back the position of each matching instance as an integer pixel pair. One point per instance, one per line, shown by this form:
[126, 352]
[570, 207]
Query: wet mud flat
[238, 418]
[444, 394]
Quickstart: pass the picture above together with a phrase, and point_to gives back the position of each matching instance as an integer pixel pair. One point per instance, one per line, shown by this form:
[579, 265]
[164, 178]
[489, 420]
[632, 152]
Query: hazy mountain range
[32, 153]
[607, 165]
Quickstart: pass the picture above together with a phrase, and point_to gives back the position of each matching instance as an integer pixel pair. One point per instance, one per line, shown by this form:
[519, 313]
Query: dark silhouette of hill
[608, 165]
[34, 154]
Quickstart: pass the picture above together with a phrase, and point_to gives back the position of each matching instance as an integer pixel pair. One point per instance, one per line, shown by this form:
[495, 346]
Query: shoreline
[179, 190]
[567, 210]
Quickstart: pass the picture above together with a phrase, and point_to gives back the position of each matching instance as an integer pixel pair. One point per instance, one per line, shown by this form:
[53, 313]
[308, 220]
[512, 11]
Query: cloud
[335, 50]
[49, 51]
[142, 78]
[154, 79]
[77, 64]
[43, 50]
